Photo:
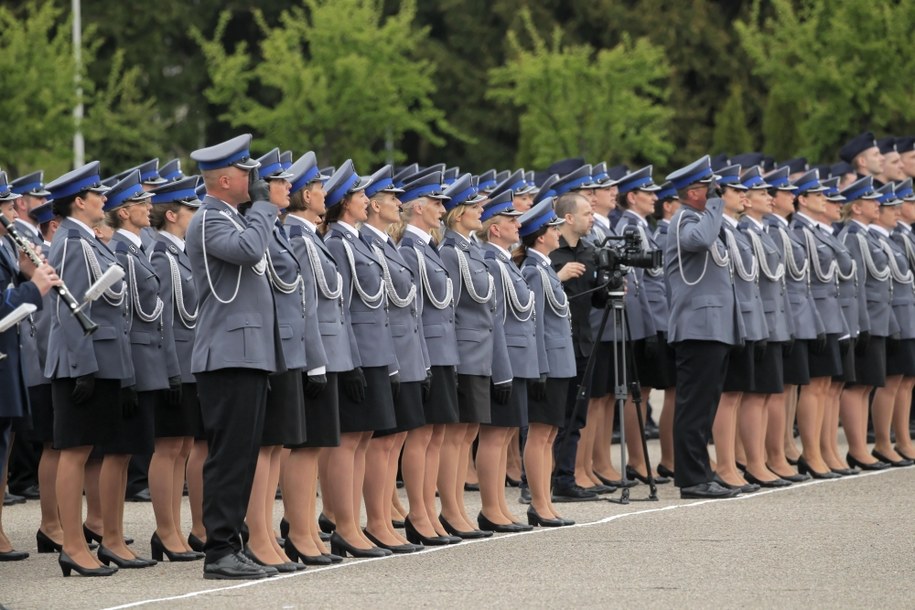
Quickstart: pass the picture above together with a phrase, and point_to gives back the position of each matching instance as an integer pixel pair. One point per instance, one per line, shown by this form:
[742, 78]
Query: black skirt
[602, 375]
[135, 435]
[42, 413]
[408, 408]
[870, 366]
[90, 423]
[182, 420]
[322, 416]
[442, 405]
[827, 363]
[768, 375]
[795, 363]
[376, 412]
[284, 422]
[741, 369]
[514, 413]
[551, 411]
[847, 354]
[900, 358]
[474, 401]
[657, 370]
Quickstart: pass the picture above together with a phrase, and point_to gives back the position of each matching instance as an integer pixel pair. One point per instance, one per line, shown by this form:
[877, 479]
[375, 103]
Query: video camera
[618, 253]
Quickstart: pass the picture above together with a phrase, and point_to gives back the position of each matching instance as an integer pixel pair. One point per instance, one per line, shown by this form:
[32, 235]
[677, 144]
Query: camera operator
[574, 262]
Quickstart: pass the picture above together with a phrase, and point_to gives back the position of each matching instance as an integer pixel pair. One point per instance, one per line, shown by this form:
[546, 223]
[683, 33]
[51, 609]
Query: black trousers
[701, 367]
[565, 449]
[233, 403]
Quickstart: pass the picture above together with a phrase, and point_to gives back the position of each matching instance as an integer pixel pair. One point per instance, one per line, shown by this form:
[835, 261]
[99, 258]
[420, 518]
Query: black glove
[426, 385]
[759, 350]
[395, 385]
[861, 342]
[844, 345]
[129, 401]
[536, 389]
[83, 390]
[651, 347]
[174, 392]
[819, 344]
[354, 384]
[501, 392]
[258, 190]
[314, 385]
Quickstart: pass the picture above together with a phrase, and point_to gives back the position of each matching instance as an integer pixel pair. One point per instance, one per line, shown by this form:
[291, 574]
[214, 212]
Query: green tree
[731, 134]
[335, 76]
[573, 101]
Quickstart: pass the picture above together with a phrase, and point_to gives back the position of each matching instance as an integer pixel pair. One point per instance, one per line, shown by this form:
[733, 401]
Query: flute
[85, 323]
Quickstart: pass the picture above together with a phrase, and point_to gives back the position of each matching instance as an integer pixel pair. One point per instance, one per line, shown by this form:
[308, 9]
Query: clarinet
[25, 247]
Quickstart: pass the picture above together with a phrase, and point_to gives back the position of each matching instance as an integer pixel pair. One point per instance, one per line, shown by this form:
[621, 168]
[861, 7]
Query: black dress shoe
[107, 557]
[341, 547]
[903, 454]
[777, 482]
[280, 568]
[632, 473]
[707, 491]
[397, 549]
[895, 464]
[45, 544]
[855, 463]
[573, 494]
[471, 487]
[600, 489]
[510, 482]
[309, 560]
[233, 567]
[11, 499]
[792, 462]
[324, 536]
[67, 565]
[140, 496]
[416, 538]
[845, 472]
[13, 555]
[195, 543]
[326, 525]
[535, 519]
[525, 496]
[333, 558]
[617, 483]
[158, 550]
[471, 535]
[397, 524]
[501, 528]
[664, 471]
[29, 493]
[804, 468]
[93, 537]
[284, 528]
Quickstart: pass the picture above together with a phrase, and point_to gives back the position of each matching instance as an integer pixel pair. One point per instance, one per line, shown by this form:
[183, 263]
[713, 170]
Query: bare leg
[666, 428]
[471, 472]
[791, 399]
[430, 476]
[829, 436]
[602, 460]
[47, 483]
[503, 502]
[70, 479]
[854, 422]
[634, 451]
[413, 466]
[112, 487]
[195, 462]
[450, 475]
[390, 482]
[882, 413]
[93, 498]
[259, 535]
[537, 460]
[901, 415]
[513, 466]
[810, 411]
[162, 489]
[753, 419]
[584, 459]
[471, 432]
[490, 452]
[276, 460]
[724, 430]
[375, 488]
[300, 477]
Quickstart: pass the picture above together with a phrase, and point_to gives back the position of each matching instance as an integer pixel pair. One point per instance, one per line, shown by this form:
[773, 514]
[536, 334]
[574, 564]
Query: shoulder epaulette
[294, 230]
[160, 246]
[448, 241]
[490, 255]
[406, 242]
[74, 234]
[121, 247]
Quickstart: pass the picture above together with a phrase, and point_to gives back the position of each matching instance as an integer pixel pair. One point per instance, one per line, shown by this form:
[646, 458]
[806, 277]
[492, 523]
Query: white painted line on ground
[466, 543]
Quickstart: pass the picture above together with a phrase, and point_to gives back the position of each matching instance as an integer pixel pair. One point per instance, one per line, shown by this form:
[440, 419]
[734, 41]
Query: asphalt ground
[848, 543]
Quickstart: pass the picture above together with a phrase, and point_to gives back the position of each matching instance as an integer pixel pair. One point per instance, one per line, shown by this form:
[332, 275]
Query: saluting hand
[570, 271]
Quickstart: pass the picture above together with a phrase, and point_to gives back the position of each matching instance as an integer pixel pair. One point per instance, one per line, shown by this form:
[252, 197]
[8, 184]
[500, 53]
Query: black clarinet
[25, 246]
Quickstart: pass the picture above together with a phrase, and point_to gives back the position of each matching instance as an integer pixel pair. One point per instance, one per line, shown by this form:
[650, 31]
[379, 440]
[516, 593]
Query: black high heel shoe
[67, 565]
[904, 456]
[13, 555]
[97, 538]
[510, 482]
[664, 471]
[895, 464]
[284, 529]
[107, 557]
[282, 568]
[195, 543]
[535, 519]
[617, 483]
[339, 546]
[397, 549]
[632, 473]
[46, 544]
[855, 463]
[158, 550]
[509, 528]
[804, 468]
[327, 526]
[777, 482]
[471, 535]
[309, 560]
[416, 538]
[845, 472]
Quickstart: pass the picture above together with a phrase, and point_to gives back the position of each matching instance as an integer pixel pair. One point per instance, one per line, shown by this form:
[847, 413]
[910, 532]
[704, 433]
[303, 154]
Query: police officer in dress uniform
[905, 243]
[236, 347]
[704, 323]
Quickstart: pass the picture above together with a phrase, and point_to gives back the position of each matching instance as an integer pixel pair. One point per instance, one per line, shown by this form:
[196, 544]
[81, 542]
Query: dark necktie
[281, 229]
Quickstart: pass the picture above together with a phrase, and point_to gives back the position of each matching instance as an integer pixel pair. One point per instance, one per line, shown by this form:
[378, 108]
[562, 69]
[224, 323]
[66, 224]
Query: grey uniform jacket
[772, 288]
[822, 253]
[433, 284]
[903, 244]
[171, 262]
[335, 345]
[237, 325]
[703, 304]
[14, 291]
[801, 306]
[473, 321]
[291, 307]
[851, 295]
[371, 327]
[878, 291]
[33, 331]
[406, 327]
[105, 353]
[553, 321]
[748, 297]
[518, 324]
[651, 302]
[152, 343]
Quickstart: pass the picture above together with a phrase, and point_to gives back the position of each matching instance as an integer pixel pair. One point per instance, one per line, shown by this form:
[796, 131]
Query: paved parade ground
[848, 543]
